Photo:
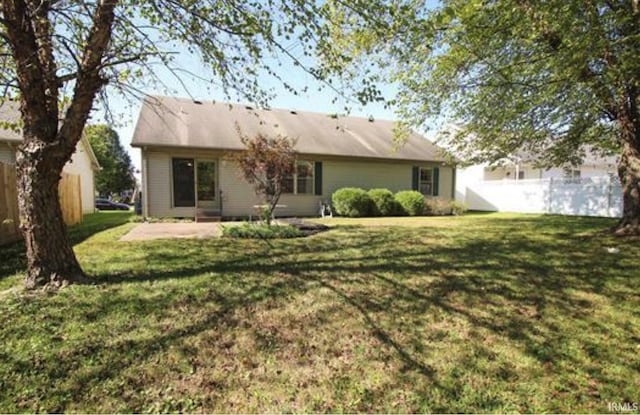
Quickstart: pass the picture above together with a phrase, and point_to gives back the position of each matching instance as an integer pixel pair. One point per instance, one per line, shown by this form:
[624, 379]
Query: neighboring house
[82, 163]
[185, 172]
[523, 167]
[520, 169]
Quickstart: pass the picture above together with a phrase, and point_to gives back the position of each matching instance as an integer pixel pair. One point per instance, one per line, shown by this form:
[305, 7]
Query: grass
[479, 313]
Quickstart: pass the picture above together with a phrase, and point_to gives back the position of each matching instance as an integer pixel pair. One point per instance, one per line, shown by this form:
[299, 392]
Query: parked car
[105, 204]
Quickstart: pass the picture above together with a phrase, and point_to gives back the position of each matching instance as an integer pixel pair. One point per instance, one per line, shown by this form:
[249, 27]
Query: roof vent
[371, 119]
[195, 101]
[294, 112]
[248, 107]
[334, 116]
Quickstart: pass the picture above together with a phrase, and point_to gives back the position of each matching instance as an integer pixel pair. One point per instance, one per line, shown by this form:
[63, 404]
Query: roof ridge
[253, 107]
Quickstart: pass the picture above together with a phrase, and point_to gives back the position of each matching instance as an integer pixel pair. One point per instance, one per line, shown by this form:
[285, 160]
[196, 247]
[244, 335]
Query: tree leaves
[116, 174]
[544, 78]
[266, 163]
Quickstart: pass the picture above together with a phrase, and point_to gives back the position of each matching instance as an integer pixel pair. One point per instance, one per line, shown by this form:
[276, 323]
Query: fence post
[550, 204]
[609, 191]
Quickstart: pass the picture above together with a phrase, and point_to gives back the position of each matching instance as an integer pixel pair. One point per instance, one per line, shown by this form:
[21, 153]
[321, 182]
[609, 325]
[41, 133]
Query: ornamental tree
[267, 163]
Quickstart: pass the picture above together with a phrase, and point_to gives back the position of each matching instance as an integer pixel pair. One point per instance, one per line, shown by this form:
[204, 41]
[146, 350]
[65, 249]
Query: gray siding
[394, 176]
[239, 197]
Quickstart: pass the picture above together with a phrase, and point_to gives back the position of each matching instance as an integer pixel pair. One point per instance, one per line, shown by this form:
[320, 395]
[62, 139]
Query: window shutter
[415, 176]
[317, 177]
[436, 181]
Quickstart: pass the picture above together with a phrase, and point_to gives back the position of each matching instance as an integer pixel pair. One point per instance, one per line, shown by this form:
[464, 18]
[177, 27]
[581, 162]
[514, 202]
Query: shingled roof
[9, 113]
[176, 122]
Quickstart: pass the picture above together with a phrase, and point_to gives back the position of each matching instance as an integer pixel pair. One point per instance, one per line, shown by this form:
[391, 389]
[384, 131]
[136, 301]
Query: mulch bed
[308, 228]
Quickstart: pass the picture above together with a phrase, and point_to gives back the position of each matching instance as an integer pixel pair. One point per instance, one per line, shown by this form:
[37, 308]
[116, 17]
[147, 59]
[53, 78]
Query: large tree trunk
[629, 174]
[49, 143]
[50, 257]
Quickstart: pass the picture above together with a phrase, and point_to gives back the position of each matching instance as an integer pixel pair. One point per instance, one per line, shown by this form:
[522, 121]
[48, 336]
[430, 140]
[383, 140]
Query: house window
[572, 176]
[521, 175]
[304, 178]
[425, 182]
[301, 183]
[183, 183]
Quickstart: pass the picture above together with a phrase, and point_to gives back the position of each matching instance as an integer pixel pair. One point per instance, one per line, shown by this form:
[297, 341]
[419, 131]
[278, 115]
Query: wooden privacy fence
[70, 198]
[70, 202]
[8, 204]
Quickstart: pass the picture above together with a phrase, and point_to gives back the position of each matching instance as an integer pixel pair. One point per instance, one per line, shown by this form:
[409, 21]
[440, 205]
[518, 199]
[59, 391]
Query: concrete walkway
[148, 231]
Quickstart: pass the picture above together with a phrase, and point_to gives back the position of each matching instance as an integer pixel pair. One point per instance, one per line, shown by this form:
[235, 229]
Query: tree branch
[21, 37]
[89, 80]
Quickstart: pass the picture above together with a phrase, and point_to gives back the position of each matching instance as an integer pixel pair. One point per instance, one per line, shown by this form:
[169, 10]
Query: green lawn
[485, 312]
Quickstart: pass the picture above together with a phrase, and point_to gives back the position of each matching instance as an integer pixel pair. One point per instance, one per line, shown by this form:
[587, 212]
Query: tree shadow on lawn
[416, 292]
[13, 257]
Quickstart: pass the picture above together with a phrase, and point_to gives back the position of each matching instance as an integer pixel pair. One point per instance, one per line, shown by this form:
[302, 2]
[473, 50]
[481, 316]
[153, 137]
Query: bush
[261, 231]
[411, 202]
[351, 202]
[457, 208]
[437, 207]
[383, 202]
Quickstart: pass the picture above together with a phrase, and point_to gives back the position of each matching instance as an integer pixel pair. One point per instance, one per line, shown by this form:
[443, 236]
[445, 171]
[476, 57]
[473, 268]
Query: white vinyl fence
[595, 196]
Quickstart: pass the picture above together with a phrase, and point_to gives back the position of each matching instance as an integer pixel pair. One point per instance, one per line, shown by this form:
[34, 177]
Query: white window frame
[420, 181]
[572, 176]
[295, 179]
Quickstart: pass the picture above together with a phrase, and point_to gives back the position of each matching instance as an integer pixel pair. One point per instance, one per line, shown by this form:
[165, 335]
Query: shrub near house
[355, 202]
[412, 202]
[352, 202]
[384, 204]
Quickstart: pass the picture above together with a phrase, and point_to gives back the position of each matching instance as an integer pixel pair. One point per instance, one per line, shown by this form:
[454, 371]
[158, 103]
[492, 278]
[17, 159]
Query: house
[185, 172]
[521, 168]
[83, 162]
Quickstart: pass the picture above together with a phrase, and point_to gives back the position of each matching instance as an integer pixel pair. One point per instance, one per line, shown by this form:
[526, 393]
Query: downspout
[145, 184]
[453, 182]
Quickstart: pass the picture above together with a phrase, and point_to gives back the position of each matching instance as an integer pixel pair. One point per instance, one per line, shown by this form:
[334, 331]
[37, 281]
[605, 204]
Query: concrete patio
[149, 231]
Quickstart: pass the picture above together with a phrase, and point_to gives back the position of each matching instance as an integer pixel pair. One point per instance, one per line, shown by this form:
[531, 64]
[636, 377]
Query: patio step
[208, 215]
[204, 219]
